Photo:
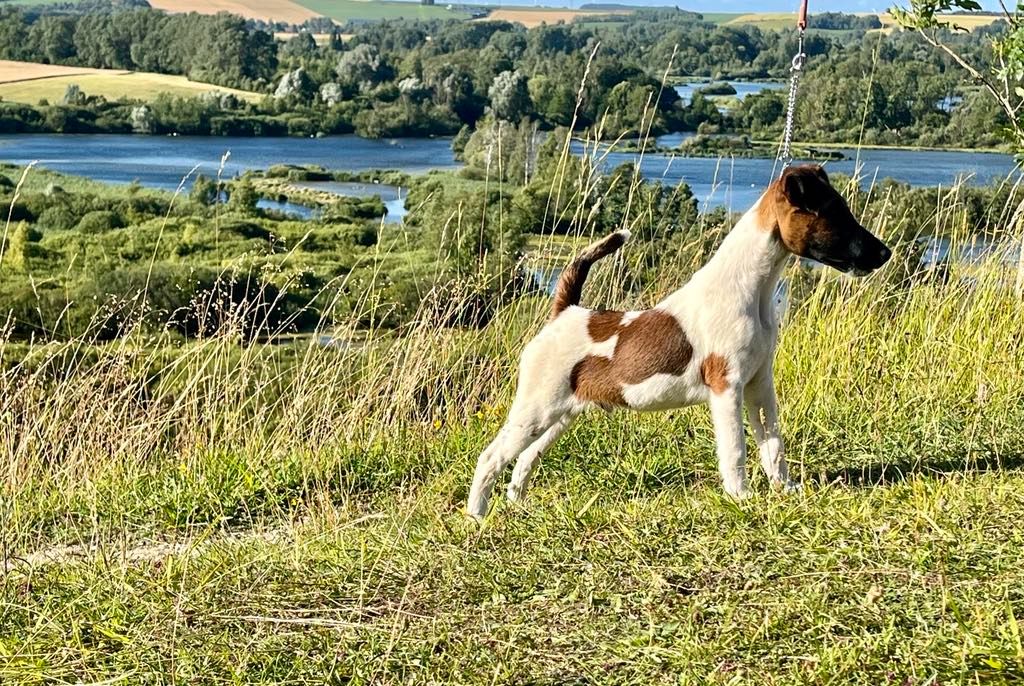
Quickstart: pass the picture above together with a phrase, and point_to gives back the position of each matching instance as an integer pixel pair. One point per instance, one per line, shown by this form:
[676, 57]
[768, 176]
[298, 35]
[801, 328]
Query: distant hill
[535, 16]
[30, 82]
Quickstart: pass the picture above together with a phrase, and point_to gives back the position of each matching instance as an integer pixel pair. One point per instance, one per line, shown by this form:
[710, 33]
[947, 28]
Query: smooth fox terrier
[713, 340]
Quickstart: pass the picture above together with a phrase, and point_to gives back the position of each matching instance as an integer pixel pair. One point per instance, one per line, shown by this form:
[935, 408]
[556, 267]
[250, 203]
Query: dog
[713, 340]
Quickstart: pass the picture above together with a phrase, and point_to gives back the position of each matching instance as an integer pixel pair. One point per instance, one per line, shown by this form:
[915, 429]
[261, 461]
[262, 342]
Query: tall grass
[901, 371]
[354, 447]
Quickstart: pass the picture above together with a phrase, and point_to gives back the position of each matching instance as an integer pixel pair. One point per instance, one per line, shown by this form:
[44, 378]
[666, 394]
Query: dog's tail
[570, 283]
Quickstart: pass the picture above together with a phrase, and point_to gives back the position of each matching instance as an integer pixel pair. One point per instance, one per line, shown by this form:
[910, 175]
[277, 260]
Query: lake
[162, 161]
[743, 88]
[737, 183]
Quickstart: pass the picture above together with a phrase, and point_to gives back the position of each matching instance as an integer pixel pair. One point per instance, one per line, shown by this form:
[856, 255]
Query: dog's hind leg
[528, 458]
[513, 439]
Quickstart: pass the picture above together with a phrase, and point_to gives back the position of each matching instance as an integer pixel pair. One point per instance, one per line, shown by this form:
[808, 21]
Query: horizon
[728, 6]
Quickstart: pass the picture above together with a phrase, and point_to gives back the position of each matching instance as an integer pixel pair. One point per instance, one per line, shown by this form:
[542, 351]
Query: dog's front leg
[727, 417]
[763, 413]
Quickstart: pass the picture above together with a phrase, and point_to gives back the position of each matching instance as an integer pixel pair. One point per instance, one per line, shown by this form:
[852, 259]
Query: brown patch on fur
[653, 343]
[591, 379]
[713, 371]
[603, 324]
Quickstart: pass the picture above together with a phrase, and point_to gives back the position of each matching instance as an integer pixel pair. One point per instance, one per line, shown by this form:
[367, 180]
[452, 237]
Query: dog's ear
[804, 187]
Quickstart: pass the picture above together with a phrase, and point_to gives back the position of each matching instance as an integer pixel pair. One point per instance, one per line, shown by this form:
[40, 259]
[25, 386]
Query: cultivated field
[530, 17]
[319, 38]
[268, 10]
[12, 71]
[29, 83]
[776, 21]
[968, 22]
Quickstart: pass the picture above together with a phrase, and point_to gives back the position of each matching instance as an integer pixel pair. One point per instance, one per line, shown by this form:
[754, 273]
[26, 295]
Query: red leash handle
[801, 23]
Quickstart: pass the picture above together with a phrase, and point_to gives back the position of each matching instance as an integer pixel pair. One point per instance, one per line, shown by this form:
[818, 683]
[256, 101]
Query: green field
[115, 85]
[720, 17]
[346, 10]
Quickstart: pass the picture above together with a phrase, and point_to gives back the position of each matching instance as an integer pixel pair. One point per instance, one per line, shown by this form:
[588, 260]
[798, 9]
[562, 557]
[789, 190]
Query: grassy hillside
[775, 21]
[355, 10]
[220, 510]
[29, 83]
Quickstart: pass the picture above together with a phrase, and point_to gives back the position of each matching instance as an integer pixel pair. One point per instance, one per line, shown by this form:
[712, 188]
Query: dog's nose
[884, 254]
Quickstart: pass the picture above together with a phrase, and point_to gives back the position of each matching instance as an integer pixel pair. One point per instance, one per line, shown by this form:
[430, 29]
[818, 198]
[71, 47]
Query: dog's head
[812, 220]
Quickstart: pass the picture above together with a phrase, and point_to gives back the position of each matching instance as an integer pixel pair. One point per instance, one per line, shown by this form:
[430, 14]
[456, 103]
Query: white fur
[727, 308]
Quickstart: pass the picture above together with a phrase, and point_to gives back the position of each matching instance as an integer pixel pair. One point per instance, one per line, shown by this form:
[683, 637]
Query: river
[162, 161]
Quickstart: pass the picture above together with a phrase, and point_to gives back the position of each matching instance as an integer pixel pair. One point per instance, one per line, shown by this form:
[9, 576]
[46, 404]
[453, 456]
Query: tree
[142, 119]
[331, 94]
[295, 84]
[500, 149]
[21, 245]
[510, 96]
[763, 111]
[73, 95]
[204, 191]
[413, 89]
[362, 66]
[243, 196]
[553, 98]
[301, 45]
[1002, 80]
[53, 38]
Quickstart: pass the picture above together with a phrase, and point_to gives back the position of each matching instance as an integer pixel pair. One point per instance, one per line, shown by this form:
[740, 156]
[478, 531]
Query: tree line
[403, 78]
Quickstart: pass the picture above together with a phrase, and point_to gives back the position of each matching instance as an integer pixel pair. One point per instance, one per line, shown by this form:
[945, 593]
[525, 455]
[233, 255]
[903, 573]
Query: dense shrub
[99, 221]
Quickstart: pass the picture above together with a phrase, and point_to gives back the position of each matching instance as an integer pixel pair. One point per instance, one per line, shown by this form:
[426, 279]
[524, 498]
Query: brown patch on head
[767, 217]
[801, 197]
[713, 372]
[811, 219]
[603, 324]
[652, 343]
[785, 208]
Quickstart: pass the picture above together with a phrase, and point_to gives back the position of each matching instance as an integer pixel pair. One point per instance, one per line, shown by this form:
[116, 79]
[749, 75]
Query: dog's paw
[475, 515]
[739, 493]
[792, 487]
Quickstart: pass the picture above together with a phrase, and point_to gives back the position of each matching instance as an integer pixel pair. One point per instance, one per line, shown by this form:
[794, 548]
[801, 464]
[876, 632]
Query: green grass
[210, 512]
[355, 10]
[115, 85]
[720, 17]
[653, 581]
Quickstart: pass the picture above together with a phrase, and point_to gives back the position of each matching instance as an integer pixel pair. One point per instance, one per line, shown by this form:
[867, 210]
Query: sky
[750, 6]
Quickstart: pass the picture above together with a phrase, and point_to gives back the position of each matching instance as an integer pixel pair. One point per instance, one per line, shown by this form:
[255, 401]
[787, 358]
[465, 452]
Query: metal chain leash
[785, 154]
[795, 69]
